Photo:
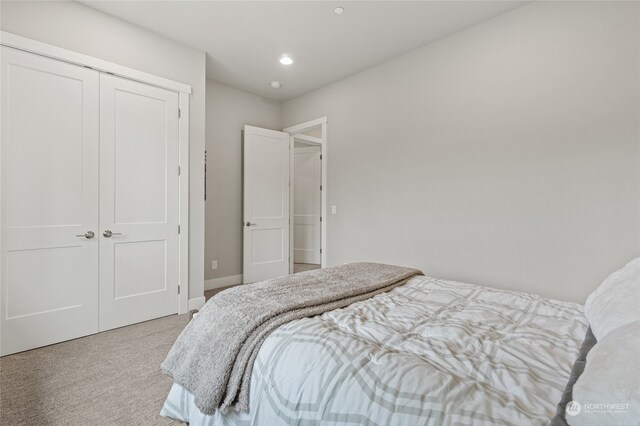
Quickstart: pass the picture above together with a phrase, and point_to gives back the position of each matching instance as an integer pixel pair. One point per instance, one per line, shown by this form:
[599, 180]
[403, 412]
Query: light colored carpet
[301, 267]
[210, 293]
[111, 378]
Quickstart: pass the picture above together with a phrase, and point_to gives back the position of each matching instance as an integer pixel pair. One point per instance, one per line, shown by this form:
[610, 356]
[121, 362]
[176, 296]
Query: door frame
[296, 132]
[184, 91]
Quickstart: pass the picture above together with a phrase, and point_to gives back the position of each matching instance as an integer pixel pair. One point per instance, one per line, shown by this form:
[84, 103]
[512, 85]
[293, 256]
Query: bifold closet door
[138, 202]
[49, 201]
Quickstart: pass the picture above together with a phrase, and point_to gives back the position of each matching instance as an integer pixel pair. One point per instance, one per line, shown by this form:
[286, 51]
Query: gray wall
[228, 110]
[79, 28]
[507, 154]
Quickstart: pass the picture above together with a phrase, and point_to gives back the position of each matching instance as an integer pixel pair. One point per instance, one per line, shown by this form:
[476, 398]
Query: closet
[90, 201]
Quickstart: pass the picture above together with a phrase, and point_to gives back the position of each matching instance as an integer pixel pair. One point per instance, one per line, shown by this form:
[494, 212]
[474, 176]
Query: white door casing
[49, 200]
[139, 159]
[307, 197]
[266, 204]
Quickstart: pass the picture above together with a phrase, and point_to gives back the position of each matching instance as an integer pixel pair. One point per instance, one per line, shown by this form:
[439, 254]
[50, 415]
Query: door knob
[251, 224]
[108, 233]
[88, 235]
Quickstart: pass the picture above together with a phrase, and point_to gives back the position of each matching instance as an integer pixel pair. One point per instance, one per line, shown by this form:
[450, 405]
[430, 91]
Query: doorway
[269, 200]
[307, 231]
[307, 189]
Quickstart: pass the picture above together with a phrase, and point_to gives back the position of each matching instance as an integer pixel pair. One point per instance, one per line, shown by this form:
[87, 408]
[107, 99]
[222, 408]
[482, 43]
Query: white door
[306, 205]
[266, 204]
[138, 202]
[49, 201]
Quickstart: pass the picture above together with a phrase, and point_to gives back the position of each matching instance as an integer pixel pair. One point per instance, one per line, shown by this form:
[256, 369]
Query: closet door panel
[49, 186]
[139, 202]
[140, 151]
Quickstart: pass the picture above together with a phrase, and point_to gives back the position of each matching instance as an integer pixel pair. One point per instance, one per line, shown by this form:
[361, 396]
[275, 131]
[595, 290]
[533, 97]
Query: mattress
[429, 352]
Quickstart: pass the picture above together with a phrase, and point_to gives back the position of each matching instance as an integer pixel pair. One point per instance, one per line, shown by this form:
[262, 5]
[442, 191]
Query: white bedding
[428, 352]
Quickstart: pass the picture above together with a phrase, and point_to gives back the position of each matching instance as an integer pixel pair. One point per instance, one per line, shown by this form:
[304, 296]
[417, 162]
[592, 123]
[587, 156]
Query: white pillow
[616, 301]
[608, 390]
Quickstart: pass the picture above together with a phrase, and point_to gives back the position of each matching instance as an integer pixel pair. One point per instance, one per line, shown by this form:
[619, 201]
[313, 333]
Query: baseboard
[222, 282]
[196, 303]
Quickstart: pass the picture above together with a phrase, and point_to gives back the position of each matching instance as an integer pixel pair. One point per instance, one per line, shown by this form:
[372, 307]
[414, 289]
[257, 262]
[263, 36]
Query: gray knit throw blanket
[213, 356]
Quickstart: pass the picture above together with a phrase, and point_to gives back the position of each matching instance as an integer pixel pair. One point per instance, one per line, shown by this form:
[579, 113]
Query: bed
[430, 351]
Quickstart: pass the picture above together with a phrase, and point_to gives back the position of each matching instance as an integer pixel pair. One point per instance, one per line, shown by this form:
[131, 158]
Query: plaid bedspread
[429, 352]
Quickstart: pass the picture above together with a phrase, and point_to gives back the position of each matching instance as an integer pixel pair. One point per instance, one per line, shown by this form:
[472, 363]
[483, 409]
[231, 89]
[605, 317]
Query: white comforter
[429, 352]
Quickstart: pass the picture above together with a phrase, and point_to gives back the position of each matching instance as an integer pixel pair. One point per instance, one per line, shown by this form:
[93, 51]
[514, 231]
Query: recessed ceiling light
[338, 10]
[285, 60]
[275, 84]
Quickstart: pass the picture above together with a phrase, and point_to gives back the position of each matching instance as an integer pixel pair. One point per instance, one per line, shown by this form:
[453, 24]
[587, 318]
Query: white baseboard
[196, 303]
[222, 282]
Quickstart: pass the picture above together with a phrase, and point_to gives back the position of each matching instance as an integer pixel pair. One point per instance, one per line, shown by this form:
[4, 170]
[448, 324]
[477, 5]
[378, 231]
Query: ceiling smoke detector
[338, 10]
[275, 84]
[285, 60]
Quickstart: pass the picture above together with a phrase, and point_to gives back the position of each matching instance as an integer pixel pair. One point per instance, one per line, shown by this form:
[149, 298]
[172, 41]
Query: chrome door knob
[251, 224]
[88, 235]
[108, 233]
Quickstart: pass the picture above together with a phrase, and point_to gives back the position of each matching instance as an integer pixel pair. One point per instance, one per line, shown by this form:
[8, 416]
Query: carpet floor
[110, 378]
[210, 293]
[301, 267]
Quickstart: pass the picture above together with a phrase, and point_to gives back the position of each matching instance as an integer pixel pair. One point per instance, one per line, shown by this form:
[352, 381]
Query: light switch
[214, 264]
[334, 210]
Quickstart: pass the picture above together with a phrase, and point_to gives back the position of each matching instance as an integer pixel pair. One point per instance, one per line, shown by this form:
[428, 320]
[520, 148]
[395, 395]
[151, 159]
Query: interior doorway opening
[307, 230]
[307, 188]
[269, 200]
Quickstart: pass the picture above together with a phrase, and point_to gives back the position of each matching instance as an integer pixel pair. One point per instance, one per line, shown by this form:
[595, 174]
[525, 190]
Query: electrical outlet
[214, 264]
[334, 210]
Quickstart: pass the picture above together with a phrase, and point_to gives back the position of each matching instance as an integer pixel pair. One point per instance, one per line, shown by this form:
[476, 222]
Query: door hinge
[179, 112]
[321, 157]
[178, 229]
[179, 170]
[320, 218]
[320, 187]
[320, 251]
[178, 288]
